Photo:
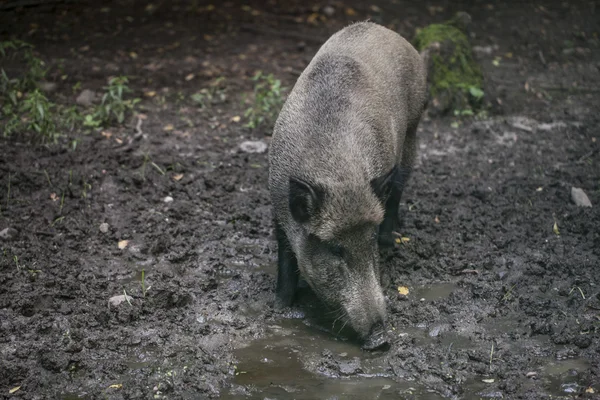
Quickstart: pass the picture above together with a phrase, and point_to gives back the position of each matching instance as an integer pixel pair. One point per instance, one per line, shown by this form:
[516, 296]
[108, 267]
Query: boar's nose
[376, 338]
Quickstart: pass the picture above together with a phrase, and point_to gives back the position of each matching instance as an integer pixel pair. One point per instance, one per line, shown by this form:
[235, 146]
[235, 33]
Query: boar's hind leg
[287, 269]
[391, 222]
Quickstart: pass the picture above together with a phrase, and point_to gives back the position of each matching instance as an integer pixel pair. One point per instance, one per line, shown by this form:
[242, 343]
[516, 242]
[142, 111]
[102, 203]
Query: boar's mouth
[376, 340]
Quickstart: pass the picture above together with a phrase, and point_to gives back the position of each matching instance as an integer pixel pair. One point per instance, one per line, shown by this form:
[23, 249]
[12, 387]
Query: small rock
[572, 387]
[116, 300]
[580, 198]
[250, 146]
[487, 50]
[328, 11]
[86, 98]
[104, 227]
[168, 199]
[48, 87]
[8, 234]
[350, 367]
[437, 329]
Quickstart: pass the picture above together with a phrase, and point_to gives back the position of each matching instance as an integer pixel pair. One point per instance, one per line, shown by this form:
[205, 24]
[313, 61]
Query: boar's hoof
[376, 340]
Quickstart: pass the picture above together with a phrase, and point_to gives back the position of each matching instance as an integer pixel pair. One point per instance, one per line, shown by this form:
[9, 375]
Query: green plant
[215, 93]
[71, 117]
[455, 78]
[268, 100]
[38, 115]
[34, 72]
[114, 106]
[26, 108]
[90, 121]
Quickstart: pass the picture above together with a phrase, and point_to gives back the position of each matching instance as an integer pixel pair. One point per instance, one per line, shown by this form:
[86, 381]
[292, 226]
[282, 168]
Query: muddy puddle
[297, 361]
[301, 358]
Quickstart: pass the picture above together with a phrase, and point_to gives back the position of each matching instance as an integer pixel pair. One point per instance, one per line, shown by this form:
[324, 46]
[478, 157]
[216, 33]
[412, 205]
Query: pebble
[48, 87]
[350, 367]
[86, 98]
[116, 300]
[8, 234]
[168, 199]
[580, 198]
[328, 11]
[250, 146]
[104, 227]
[437, 329]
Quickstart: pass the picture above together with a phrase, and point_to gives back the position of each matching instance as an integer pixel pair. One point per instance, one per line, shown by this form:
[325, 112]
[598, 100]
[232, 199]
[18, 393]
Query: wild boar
[342, 149]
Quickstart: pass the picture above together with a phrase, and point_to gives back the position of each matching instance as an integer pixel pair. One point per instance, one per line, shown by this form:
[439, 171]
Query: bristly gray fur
[351, 116]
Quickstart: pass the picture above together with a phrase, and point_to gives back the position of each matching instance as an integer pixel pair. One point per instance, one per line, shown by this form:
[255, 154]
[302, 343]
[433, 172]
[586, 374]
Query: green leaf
[40, 110]
[476, 92]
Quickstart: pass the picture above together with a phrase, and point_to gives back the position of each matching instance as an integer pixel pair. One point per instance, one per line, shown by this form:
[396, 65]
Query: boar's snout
[377, 338]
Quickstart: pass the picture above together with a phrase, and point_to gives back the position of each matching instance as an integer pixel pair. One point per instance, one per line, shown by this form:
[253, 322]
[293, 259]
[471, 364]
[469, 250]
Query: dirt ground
[500, 305]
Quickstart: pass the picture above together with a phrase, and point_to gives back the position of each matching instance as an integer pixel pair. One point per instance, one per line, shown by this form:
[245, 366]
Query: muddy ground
[500, 305]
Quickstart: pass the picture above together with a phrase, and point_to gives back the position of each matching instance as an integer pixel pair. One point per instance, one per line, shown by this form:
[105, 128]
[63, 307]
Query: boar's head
[335, 227]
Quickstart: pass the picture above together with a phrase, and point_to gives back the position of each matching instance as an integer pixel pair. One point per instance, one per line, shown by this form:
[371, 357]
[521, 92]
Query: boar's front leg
[391, 222]
[287, 269]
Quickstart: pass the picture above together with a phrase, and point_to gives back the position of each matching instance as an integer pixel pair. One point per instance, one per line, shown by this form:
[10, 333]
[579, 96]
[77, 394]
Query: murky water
[436, 291]
[278, 368]
[301, 359]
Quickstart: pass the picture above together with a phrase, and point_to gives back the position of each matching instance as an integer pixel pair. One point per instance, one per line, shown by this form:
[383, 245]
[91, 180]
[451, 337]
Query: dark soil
[499, 305]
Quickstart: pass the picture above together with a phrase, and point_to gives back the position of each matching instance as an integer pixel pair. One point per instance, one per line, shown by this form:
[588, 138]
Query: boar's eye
[337, 250]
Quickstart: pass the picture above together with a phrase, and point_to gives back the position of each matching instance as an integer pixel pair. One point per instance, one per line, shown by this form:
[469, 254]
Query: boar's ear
[382, 185]
[305, 199]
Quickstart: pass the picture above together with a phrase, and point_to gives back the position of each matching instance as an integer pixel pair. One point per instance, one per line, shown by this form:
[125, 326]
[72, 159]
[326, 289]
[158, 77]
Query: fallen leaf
[403, 290]
[178, 177]
[116, 386]
[590, 390]
[168, 127]
[123, 243]
[312, 18]
[53, 196]
[133, 55]
[15, 389]
[118, 140]
[150, 93]
[555, 228]
[189, 77]
[106, 134]
[487, 381]
[350, 12]
[237, 118]
[496, 61]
